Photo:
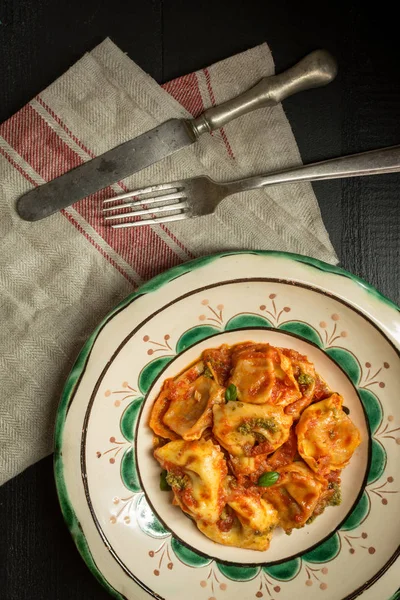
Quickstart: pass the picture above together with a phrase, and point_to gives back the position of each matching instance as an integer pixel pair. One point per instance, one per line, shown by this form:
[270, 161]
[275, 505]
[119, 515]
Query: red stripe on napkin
[38, 144]
[185, 90]
[33, 138]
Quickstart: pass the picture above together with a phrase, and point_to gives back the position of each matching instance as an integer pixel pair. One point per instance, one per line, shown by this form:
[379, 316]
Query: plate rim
[73, 379]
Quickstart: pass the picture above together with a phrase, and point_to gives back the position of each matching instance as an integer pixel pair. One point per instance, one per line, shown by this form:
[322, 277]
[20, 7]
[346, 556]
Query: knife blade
[315, 70]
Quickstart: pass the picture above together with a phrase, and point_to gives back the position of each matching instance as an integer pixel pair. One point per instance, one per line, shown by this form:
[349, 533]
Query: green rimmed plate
[134, 541]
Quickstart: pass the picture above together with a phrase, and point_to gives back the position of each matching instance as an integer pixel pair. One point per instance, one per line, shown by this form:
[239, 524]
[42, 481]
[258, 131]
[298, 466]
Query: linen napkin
[60, 276]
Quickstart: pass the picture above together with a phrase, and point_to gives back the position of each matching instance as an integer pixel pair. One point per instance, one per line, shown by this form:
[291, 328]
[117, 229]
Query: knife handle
[315, 70]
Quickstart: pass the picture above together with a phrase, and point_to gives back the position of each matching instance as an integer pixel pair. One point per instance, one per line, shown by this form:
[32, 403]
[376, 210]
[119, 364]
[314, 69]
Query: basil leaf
[164, 485]
[268, 478]
[231, 392]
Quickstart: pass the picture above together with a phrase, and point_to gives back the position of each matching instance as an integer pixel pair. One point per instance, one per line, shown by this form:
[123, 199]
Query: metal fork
[200, 196]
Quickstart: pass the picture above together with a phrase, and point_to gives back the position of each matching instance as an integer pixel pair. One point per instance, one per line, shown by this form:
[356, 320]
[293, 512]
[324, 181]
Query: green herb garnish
[267, 423]
[268, 478]
[164, 485]
[231, 392]
[311, 519]
[336, 498]
[248, 426]
[208, 373]
[245, 428]
[176, 481]
[305, 379]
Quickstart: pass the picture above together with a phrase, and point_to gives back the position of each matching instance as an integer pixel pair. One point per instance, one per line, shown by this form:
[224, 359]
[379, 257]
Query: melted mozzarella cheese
[201, 468]
[326, 436]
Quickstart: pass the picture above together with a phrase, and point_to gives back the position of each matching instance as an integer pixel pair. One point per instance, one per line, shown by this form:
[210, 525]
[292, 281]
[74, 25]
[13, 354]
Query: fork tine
[149, 211]
[152, 200]
[147, 190]
[156, 221]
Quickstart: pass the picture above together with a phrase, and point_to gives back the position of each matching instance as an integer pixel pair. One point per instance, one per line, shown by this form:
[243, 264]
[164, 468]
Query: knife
[315, 70]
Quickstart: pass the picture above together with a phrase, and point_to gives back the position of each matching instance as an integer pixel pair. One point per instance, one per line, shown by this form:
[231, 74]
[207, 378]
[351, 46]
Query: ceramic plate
[140, 546]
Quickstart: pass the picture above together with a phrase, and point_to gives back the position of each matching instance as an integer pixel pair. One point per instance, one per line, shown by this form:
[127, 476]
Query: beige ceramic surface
[128, 532]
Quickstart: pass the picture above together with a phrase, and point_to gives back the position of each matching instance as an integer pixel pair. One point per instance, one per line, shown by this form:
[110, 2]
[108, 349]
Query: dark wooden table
[39, 39]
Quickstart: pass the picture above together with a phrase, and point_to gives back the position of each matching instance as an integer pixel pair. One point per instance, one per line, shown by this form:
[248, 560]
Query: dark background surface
[40, 39]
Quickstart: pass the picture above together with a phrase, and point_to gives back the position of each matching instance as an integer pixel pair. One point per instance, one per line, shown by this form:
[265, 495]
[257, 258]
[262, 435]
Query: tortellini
[184, 407]
[197, 471]
[295, 495]
[248, 521]
[248, 429]
[262, 373]
[326, 436]
[304, 373]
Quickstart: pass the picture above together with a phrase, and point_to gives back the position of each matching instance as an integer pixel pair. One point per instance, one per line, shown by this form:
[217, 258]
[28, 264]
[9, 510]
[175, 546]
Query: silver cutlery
[315, 70]
[200, 196]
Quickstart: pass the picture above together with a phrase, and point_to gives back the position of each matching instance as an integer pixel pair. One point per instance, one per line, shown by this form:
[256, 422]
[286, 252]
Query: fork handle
[374, 162]
[315, 70]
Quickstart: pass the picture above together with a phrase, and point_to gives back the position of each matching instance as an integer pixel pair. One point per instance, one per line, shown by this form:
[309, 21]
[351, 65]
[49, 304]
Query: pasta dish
[250, 438]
